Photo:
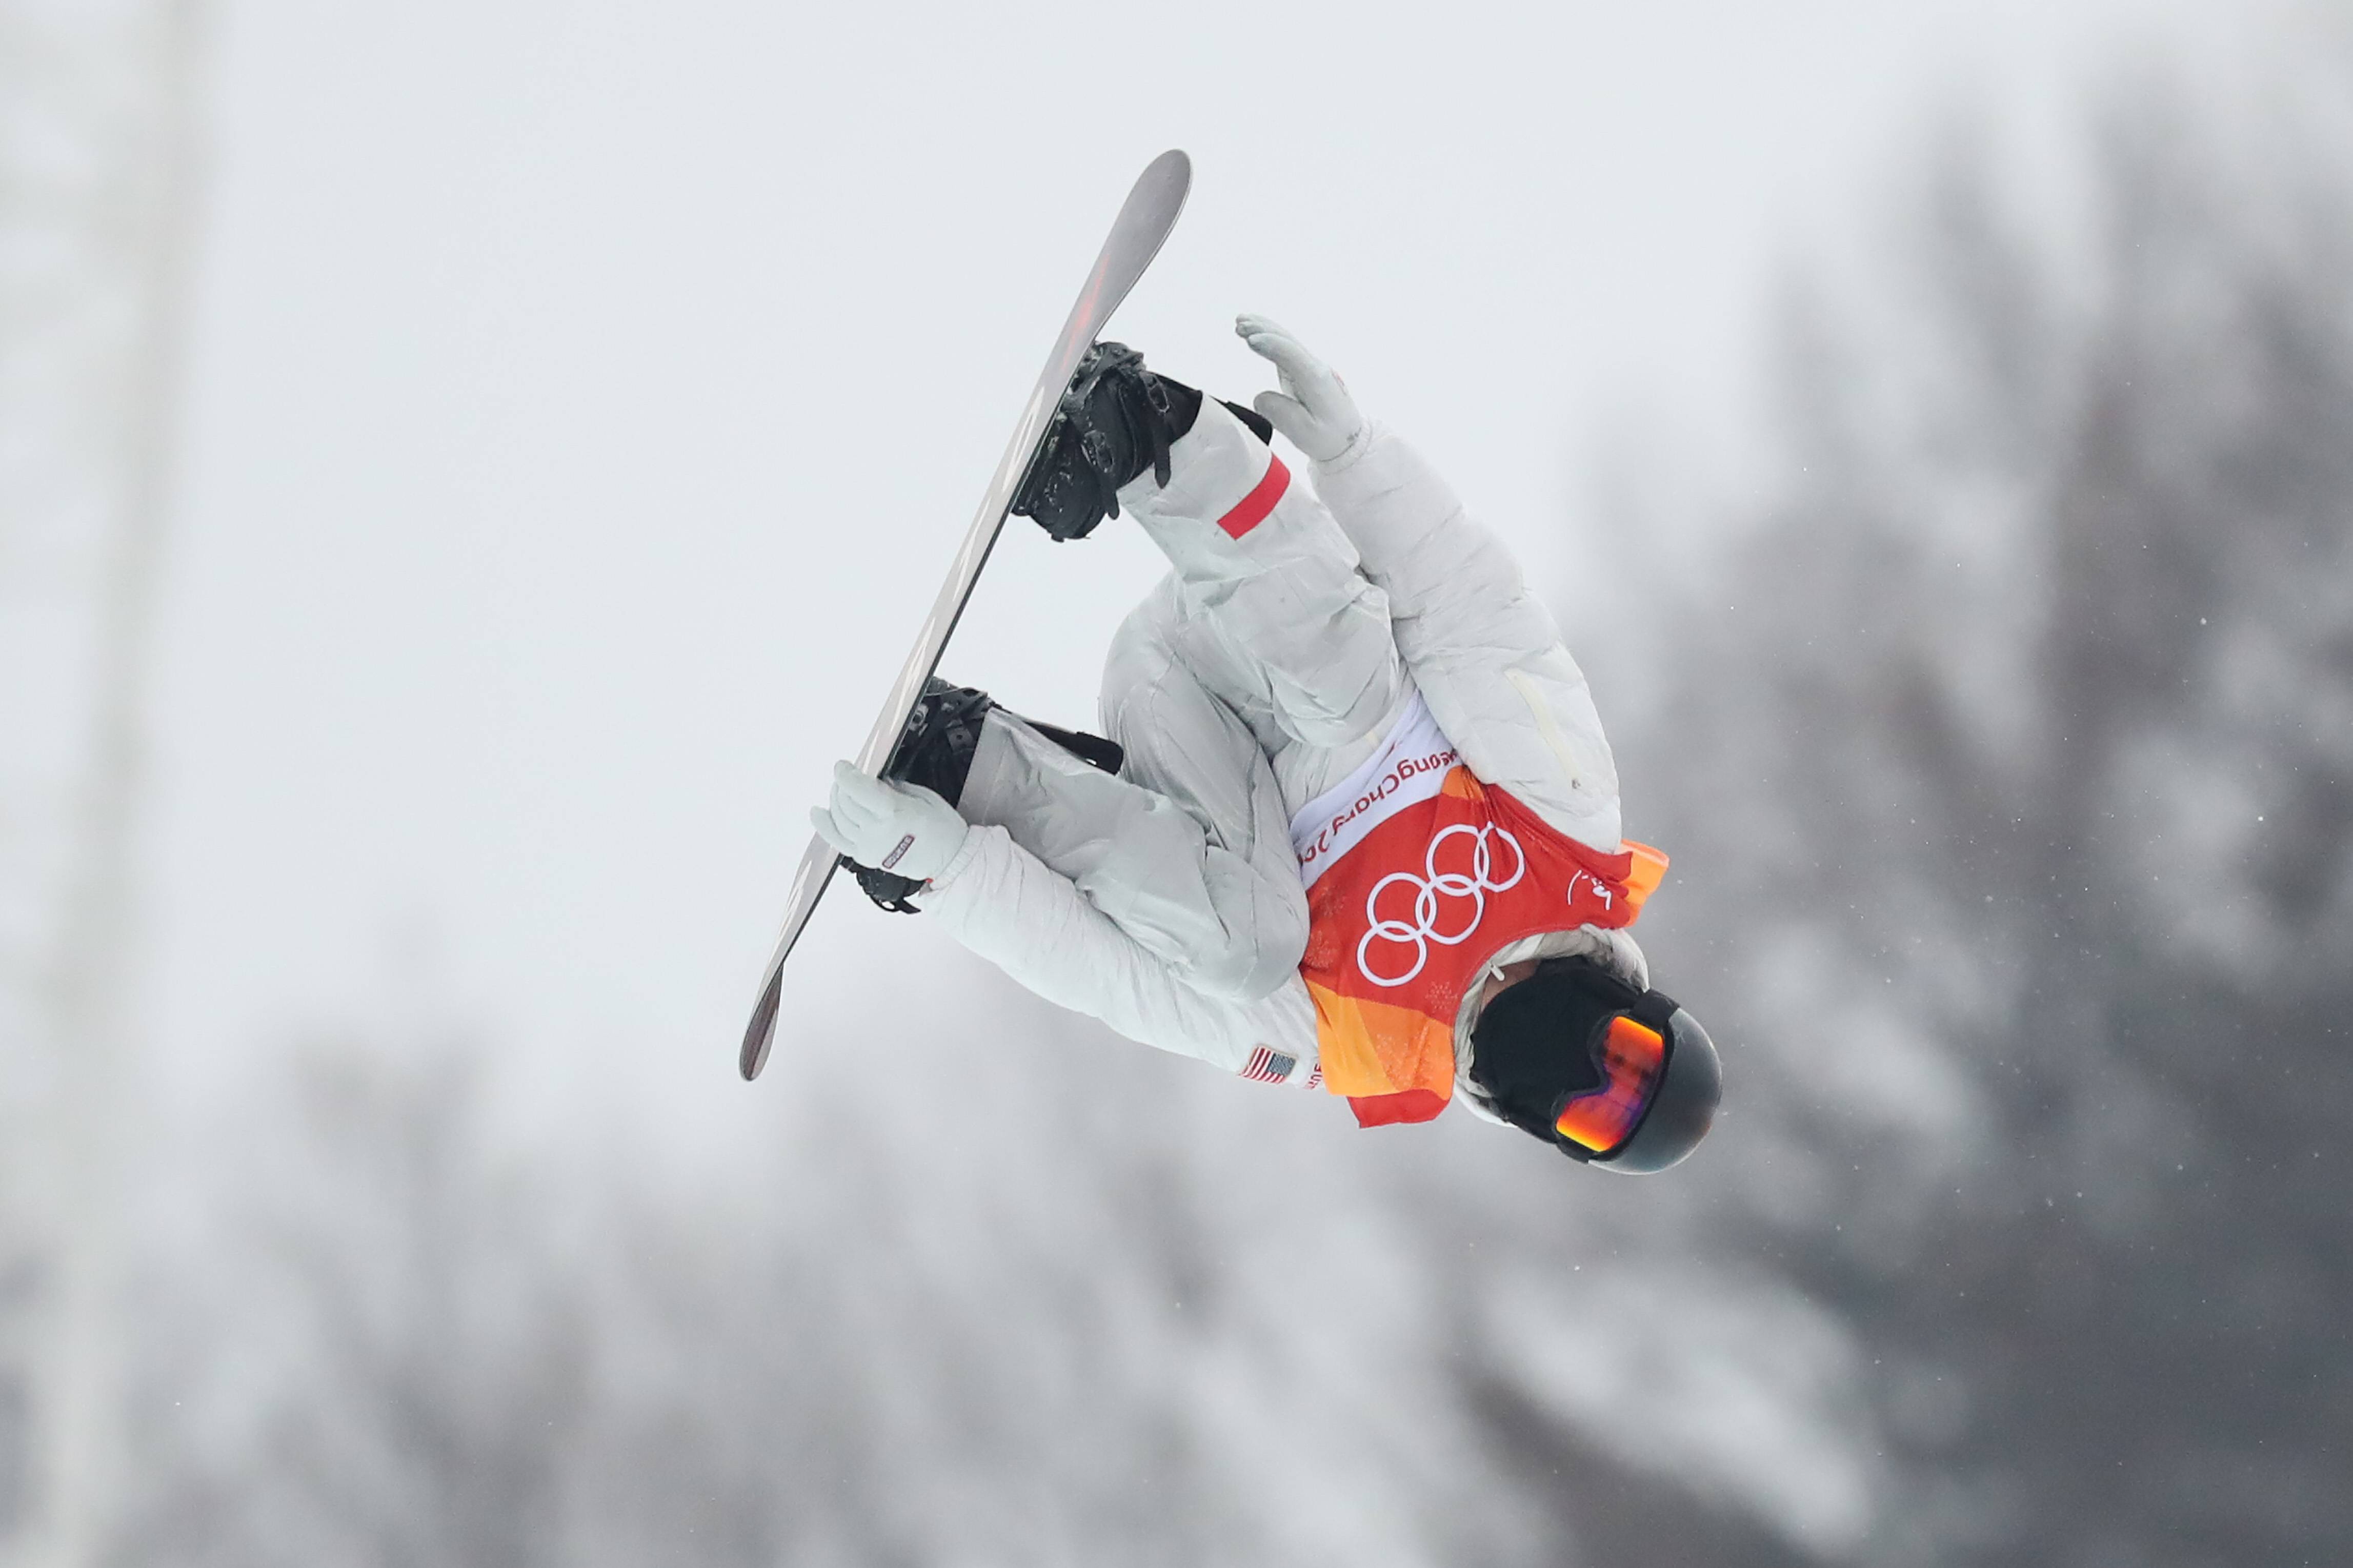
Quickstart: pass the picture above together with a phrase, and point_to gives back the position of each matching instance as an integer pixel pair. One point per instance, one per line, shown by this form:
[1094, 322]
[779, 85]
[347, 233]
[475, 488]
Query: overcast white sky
[586, 398]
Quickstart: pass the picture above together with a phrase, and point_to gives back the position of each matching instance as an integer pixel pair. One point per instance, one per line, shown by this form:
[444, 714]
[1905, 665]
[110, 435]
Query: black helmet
[1613, 1076]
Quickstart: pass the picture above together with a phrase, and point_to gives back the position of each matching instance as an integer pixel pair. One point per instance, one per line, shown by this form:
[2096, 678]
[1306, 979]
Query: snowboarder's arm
[1487, 656]
[1008, 906]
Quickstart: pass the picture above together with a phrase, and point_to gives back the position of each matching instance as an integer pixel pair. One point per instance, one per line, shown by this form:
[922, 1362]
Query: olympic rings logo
[1428, 889]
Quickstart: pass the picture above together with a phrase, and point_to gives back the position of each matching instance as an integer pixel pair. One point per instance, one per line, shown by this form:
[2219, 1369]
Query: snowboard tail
[1136, 236]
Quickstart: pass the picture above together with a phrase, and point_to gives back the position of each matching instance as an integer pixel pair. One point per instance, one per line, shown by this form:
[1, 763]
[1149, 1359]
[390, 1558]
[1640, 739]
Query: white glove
[904, 829]
[1313, 409]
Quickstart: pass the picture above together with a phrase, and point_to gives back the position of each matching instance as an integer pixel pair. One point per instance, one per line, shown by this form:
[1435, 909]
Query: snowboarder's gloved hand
[901, 828]
[1313, 409]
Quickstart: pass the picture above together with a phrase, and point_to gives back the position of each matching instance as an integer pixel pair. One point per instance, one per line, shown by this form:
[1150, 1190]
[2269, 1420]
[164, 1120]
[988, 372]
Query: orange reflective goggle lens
[1633, 1057]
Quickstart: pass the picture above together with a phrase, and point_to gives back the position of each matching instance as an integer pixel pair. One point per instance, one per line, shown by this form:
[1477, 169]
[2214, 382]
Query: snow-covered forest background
[1936, 436]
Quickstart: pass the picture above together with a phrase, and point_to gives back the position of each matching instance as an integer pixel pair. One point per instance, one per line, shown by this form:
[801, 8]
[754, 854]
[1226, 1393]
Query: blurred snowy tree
[381, 1357]
[2011, 773]
[96, 144]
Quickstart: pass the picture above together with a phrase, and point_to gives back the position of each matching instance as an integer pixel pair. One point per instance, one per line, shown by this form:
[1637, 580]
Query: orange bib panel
[1405, 919]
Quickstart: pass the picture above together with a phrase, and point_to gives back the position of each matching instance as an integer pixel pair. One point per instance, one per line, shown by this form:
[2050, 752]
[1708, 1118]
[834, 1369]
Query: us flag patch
[1269, 1067]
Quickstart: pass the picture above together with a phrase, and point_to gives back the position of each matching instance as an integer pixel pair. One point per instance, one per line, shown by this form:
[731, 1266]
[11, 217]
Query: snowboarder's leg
[1183, 740]
[1275, 616]
[1224, 926]
[1278, 620]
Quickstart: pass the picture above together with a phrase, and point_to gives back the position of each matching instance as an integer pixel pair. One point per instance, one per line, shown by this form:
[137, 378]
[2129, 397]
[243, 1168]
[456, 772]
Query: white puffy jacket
[1288, 641]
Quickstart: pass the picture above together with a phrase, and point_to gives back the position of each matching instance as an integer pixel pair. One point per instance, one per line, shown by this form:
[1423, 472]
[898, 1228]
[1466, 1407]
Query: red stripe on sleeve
[1252, 509]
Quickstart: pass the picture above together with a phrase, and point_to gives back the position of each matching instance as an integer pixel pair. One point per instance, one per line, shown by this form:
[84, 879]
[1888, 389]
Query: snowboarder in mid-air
[1353, 827]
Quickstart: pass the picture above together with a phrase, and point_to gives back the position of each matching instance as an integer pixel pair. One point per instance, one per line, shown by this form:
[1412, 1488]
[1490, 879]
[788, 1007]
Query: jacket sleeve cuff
[960, 861]
[1363, 441]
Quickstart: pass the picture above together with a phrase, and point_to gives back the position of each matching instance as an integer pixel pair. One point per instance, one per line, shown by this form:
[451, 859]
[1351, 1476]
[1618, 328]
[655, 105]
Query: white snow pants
[1272, 661]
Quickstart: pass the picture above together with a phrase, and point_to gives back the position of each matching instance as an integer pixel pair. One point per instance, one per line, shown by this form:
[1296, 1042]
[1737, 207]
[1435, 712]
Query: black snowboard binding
[1114, 420]
[934, 751]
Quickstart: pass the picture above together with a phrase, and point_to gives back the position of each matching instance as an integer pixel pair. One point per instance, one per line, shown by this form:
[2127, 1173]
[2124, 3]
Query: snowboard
[1143, 222]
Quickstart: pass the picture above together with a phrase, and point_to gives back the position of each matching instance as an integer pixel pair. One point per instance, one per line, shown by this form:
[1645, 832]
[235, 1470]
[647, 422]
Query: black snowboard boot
[1115, 420]
[934, 751]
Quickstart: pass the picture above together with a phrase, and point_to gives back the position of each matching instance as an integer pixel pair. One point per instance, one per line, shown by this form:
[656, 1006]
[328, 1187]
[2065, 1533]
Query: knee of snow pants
[1143, 859]
[1263, 568]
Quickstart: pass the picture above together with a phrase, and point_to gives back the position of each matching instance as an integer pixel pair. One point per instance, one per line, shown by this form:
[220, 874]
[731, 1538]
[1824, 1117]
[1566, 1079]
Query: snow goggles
[1576, 1055]
[1632, 1058]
